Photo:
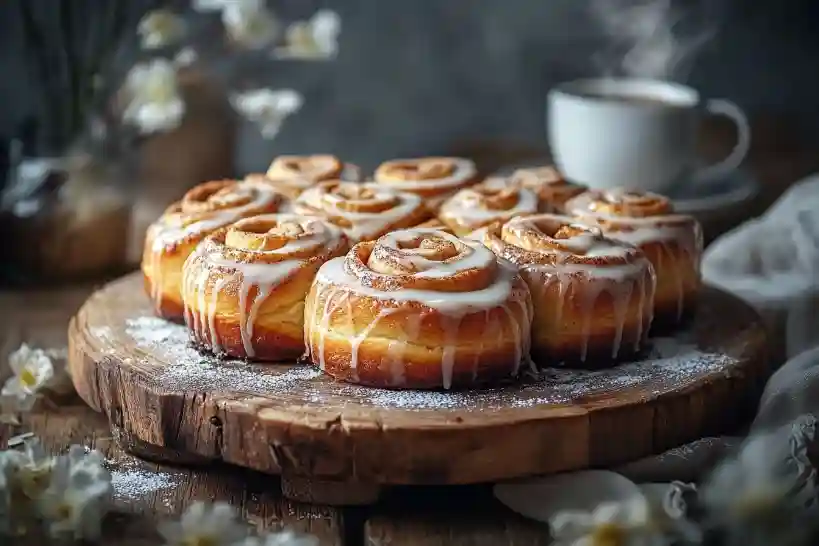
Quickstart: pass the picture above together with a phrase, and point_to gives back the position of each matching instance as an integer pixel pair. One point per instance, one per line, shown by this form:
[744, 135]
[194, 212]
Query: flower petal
[542, 498]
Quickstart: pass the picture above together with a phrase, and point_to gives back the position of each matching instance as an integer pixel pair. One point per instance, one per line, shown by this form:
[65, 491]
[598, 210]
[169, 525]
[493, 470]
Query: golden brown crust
[291, 175]
[363, 211]
[418, 309]
[432, 178]
[171, 239]
[592, 296]
[486, 203]
[551, 188]
[672, 242]
[244, 287]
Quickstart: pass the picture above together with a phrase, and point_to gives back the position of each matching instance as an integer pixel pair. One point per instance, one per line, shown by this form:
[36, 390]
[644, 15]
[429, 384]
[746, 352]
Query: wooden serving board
[338, 444]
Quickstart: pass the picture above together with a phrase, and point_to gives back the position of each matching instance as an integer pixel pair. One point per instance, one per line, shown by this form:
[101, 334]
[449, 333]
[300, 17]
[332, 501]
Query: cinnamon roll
[551, 188]
[204, 209]
[418, 308]
[673, 243]
[592, 295]
[291, 174]
[484, 204]
[432, 178]
[244, 287]
[364, 211]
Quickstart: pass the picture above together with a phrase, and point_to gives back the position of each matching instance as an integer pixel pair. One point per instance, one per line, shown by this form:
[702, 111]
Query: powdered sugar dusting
[673, 363]
[131, 482]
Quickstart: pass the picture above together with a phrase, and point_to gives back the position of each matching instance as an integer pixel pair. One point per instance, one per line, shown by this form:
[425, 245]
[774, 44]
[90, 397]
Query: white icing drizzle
[441, 188]
[171, 229]
[667, 231]
[470, 208]
[573, 264]
[261, 277]
[389, 207]
[338, 285]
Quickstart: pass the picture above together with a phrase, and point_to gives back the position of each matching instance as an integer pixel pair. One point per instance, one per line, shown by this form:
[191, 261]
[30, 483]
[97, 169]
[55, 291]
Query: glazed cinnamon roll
[418, 309]
[434, 179]
[203, 210]
[244, 287]
[551, 188]
[673, 243]
[592, 295]
[484, 204]
[364, 211]
[291, 174]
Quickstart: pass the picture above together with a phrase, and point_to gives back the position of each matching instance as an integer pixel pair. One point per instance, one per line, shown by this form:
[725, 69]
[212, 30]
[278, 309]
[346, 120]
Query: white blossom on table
[29, 470]
[154, 103]
[77, 497]
[249, 23]
[161, 28]
[282, 538]
[32, 371]
[212, 524]
[315, 39]
[627, 523]
[267, 108]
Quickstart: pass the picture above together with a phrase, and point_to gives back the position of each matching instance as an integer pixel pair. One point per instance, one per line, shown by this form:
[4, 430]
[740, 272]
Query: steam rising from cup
[649, 38]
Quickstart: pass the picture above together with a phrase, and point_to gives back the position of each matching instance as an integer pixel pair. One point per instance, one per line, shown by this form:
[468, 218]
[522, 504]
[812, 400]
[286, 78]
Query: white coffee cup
[639, 134]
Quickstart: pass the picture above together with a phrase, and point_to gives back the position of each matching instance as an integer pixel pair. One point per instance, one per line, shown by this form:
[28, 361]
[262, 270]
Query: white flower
[313, 39]
[76, 500]
[610, 524]
[30, 471]
[160, 28]
[211, 524]
[267, 108]
[282, 538]
[185, 57]
[209, 5]
[154, 102]
[33, 370]
[249, 23]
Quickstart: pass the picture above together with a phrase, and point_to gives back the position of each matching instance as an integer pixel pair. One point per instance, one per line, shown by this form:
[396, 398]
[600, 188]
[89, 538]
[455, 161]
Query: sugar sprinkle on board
[672, 363]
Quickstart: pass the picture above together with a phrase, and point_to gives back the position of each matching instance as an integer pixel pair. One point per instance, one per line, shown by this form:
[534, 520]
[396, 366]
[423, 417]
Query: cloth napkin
[772, 262]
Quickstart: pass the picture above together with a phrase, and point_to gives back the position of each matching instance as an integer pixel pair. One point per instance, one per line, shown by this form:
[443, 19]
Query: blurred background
[382, 80]
[421, 77]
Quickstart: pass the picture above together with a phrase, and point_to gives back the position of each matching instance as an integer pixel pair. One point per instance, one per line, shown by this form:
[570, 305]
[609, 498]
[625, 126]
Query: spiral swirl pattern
[593, 295]
[244, 287]
[549, 185]
[364, 211]
[486, 203]
[201, 211]
[432, 178]
[418, 308]
[673, 242]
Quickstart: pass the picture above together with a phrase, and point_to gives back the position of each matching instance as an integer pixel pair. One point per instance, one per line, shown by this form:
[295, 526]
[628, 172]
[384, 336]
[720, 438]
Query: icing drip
[481, 205]
[363, 211]
[559, 257]
[254, 272]
[413, 267]
[643, 219]
[435, 178]
[201, 211]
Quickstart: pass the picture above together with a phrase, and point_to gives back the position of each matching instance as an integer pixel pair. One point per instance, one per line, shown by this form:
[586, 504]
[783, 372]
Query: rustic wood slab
[337, 443]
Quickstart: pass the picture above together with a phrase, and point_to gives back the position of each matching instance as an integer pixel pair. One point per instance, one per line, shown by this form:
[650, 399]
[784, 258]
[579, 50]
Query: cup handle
[720, 107]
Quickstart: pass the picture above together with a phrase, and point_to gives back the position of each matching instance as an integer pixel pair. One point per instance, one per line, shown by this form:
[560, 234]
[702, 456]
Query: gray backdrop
[415, 76]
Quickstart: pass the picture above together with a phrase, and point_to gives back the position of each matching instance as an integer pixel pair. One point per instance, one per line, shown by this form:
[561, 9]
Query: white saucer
[715, 195]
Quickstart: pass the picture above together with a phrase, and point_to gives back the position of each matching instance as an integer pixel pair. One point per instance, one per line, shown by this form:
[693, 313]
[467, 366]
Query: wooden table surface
[411, 516]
